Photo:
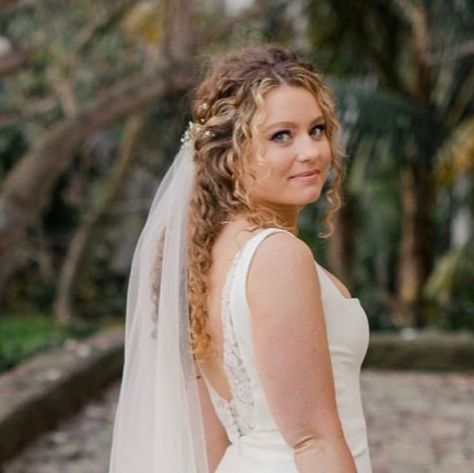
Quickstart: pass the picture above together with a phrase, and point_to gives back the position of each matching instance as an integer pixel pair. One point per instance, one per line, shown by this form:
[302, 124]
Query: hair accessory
[187, 135]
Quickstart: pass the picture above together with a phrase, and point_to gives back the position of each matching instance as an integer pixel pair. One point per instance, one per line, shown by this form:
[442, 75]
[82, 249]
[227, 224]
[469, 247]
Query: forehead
[286, 103]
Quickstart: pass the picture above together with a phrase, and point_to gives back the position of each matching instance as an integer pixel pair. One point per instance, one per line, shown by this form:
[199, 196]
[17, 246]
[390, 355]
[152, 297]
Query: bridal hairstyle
[226, 117]
[158, 422]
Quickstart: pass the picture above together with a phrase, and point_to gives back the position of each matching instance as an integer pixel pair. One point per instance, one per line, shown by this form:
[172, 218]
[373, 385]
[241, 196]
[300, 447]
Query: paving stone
[47, 388]
[80, 444]
[419, 422]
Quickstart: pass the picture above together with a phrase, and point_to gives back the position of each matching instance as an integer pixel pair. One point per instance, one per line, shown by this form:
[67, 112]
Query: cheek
[271, 180]
[280, 165]
[272, 168]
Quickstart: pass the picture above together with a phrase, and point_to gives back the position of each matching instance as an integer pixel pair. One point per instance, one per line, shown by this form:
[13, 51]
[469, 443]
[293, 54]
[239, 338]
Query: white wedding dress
[257, 445]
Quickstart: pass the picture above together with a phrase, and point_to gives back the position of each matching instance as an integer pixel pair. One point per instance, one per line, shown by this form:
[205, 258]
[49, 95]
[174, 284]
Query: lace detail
[236, 415]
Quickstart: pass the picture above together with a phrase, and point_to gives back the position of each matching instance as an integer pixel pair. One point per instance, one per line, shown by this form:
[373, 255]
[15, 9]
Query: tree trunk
[340, 246]
[27, 187]
[179, 40]
[416, 252]
[407, 279]
[423, 235]
[78, 248]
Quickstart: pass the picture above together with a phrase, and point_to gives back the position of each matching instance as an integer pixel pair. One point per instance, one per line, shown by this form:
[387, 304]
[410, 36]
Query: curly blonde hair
[224, 108]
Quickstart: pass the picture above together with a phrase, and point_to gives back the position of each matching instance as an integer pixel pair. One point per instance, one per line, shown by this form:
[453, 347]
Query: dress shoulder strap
[248, 250]
[238, 305]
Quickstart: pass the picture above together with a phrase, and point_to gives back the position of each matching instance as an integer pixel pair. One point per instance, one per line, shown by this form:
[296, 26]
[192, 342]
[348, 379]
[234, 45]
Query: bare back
[229, 242]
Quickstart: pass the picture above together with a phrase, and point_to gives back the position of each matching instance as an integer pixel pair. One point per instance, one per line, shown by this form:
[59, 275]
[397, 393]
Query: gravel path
[417, 423]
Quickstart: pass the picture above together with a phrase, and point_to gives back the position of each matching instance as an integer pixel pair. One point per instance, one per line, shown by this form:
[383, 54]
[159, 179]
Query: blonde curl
[225, 109]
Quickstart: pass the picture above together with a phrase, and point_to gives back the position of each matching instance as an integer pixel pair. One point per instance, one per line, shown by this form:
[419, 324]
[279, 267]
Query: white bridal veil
[158, 426]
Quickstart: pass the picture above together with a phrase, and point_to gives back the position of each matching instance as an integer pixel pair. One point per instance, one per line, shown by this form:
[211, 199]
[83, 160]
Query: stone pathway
[417, 423]
[80, 444]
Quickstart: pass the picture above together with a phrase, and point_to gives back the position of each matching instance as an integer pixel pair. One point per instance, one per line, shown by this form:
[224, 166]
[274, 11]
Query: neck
[287, 216]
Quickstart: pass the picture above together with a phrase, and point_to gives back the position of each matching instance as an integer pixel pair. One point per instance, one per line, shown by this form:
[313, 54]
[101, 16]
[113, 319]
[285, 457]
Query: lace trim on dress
[236, 415]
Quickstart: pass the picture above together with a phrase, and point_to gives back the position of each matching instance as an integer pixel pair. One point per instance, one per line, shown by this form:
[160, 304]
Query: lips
[306, 173]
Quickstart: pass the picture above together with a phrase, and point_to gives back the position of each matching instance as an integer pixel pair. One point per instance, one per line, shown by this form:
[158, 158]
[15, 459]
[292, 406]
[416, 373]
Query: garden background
[94, 96]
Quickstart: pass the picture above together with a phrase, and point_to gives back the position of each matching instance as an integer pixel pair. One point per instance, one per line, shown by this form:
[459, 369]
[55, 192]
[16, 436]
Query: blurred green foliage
[23, 335]
[390, 124]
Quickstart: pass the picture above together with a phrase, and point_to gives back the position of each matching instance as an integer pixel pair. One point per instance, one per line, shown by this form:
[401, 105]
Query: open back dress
[257, 445]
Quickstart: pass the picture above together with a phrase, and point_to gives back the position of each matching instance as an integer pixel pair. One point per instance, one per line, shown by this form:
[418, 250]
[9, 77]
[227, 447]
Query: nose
[308, 149]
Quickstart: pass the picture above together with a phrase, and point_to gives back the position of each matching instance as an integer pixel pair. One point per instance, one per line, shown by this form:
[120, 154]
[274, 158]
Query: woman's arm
[216, 437]
[292, 354]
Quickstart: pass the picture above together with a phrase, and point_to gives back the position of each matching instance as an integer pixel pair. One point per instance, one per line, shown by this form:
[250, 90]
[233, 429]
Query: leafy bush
[25, 335]
[450, 286]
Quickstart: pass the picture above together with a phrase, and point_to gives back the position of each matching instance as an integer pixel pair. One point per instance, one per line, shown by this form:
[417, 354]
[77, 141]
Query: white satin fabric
[257, 445]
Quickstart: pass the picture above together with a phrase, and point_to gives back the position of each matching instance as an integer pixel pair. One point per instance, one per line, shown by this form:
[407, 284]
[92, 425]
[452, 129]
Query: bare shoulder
[282, 249]
[290, 339]
[281, 261]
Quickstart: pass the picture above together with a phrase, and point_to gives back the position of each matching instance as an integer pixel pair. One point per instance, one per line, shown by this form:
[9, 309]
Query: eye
[318, 130]
[281, 136]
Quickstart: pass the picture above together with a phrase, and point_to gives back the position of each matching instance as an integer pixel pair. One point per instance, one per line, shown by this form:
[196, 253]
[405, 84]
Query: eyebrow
[289, 124]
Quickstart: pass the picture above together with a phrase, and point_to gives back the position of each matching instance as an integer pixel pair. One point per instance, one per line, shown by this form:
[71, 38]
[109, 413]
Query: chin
[310, 201]
[301, 199]
[310, 197]
[301, 202]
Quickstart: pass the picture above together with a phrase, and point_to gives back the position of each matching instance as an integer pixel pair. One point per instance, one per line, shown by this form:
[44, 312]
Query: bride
[242, 353]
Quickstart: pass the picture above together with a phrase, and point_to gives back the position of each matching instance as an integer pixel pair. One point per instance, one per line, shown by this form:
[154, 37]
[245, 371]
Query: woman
[268, 378]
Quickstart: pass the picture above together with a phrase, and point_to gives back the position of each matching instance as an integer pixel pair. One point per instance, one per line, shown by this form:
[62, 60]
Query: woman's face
[291, 140]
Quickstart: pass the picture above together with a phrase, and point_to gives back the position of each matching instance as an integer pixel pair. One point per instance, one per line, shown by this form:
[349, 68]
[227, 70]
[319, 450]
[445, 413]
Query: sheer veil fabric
[158, 424]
